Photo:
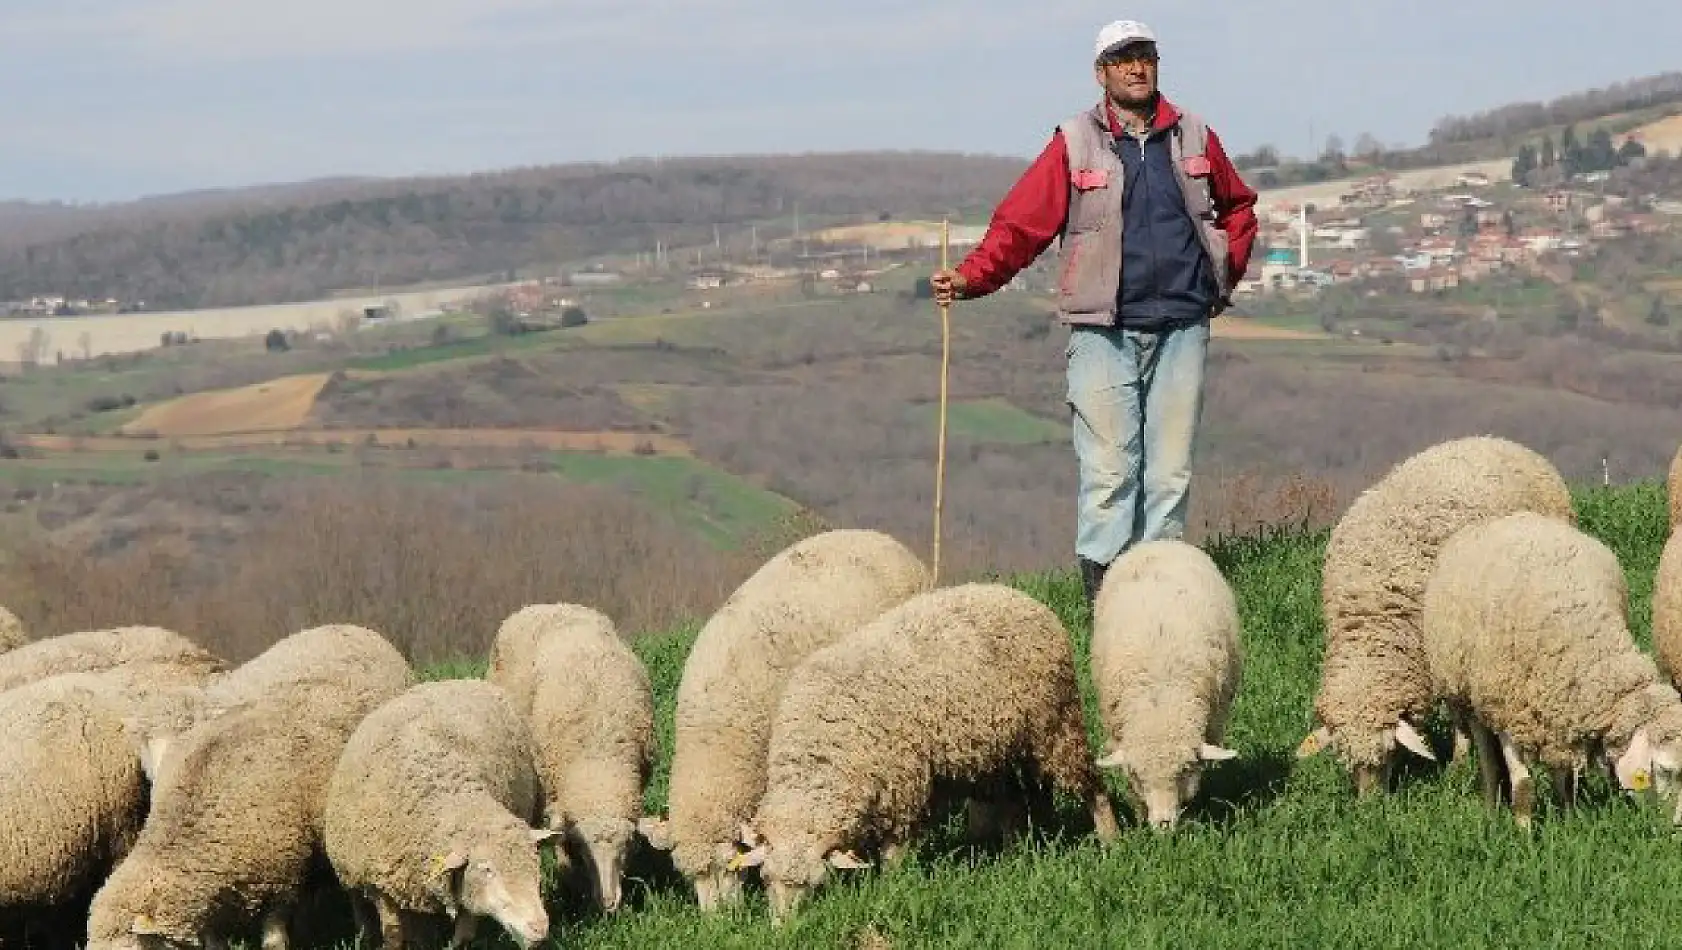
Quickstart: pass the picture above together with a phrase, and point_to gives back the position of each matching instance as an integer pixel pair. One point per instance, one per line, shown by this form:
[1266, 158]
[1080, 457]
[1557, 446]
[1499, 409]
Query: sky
[109, 100]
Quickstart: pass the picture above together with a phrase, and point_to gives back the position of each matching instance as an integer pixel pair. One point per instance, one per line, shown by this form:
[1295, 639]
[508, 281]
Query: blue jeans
[1136, 399]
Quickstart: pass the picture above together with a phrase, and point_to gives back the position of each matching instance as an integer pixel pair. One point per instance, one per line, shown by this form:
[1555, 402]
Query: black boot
[1091, 577]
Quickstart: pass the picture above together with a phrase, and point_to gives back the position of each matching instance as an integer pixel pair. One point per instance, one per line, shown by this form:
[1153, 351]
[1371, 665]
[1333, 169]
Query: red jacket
[1031, 215]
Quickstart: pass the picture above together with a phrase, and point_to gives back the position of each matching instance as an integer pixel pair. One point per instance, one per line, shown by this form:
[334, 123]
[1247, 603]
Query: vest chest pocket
[1094, 194]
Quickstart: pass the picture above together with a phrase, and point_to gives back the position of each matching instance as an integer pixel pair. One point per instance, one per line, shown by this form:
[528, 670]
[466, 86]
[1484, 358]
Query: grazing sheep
[590, 707]
[237, 800]
[801, 599]
[233, 825]
[94, 650]
[429, 811]
[1673, 488]
[944, 693]
[1667, 609]
[1525, 626]
[1166, 663]
[72, 791]
[1374, 681]
[12, 634]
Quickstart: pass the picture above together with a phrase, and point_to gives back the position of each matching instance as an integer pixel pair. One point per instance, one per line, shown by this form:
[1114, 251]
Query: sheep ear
[1413, 741]
[1114, 760]
[654, 831]
[1314, 742]
[540, 835]
[1214, 753]
[845, 860]
[150, 746]
[1634, 767]
[144, 926]
[746, 834]
[747, 859]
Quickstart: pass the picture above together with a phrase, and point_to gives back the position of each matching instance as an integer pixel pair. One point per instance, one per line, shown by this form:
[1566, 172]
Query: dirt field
[275, 405]
[134, 332]
[1663, 135]
[1325, 194]
[1239, 328]
[607, 443]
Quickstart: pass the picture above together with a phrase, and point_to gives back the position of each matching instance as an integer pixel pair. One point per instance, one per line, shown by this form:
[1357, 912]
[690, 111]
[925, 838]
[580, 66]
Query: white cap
[1122, 31]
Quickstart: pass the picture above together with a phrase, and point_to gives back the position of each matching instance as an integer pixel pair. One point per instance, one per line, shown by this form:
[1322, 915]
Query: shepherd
[1156, 228]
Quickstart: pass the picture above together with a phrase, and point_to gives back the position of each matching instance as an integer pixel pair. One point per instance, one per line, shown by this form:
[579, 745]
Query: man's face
[1128, 73]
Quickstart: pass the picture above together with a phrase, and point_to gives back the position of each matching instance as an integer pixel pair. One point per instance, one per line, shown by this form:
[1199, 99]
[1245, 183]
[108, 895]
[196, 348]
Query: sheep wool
[590, 706]
[1667, 609]
[803, 598]
[1673, 488]
[1374, 680]
[94, 650]
[1166, 664]
[72, 793]
[948, 691]
[1525, 626]
[232, 826]
[12, 634]
[237, 799]
[429, 812]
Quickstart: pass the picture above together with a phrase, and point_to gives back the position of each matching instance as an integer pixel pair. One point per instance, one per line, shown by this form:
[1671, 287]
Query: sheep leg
[1524, 786]
[467, 924]
[1489, 761]
[391, 923]
[274, 928]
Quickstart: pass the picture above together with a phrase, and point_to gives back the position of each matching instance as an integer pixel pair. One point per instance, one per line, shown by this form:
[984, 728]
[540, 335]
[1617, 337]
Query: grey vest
[1091, 239]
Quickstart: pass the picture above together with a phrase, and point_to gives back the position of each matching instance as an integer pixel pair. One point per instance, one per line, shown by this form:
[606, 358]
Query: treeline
[358, 234]
[1523, 117]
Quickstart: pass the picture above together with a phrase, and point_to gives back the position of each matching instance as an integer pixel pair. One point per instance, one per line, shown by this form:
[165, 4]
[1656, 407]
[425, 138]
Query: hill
[300, 241]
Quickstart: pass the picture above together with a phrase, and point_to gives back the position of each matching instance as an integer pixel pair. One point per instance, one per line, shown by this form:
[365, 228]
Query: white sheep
[803, 598]
[1525, 625]
[1673, 489]
[93, 650]
[237, 799]
[1375, 685]
[1667, 609]
[12, 634]
[1166, 664]
[430, 809]
[949, 691]
[73, 794]
[590, 707]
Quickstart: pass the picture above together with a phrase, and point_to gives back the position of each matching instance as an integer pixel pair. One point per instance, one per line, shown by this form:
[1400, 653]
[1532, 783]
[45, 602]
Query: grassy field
[1279, 853]
[988, 420]
[719, 505]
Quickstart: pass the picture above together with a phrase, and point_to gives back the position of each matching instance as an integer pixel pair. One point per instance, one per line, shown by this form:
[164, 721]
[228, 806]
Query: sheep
[803, 598]
[429, 811]
[1166, 664]
[946, 692]
[94, 650]
[1673, 488]
[1525, 624]
[1667, 609]
[590, 706]
[1374, 681]
[72, 791]
[12, 634]
[233, 825]
[237, 799]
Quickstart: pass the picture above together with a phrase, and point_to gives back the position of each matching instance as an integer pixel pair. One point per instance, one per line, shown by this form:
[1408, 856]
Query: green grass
[988, 420]
[1279, 853]
[721, 506]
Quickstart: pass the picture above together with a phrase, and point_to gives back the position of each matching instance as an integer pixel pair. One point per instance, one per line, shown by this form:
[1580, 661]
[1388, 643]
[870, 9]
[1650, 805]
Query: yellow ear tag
[1640, 781]
[1309, 746]
[734, 864]
[436, 865]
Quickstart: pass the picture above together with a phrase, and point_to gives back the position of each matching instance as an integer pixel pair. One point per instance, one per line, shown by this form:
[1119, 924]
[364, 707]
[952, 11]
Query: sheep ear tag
[1313, 742]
